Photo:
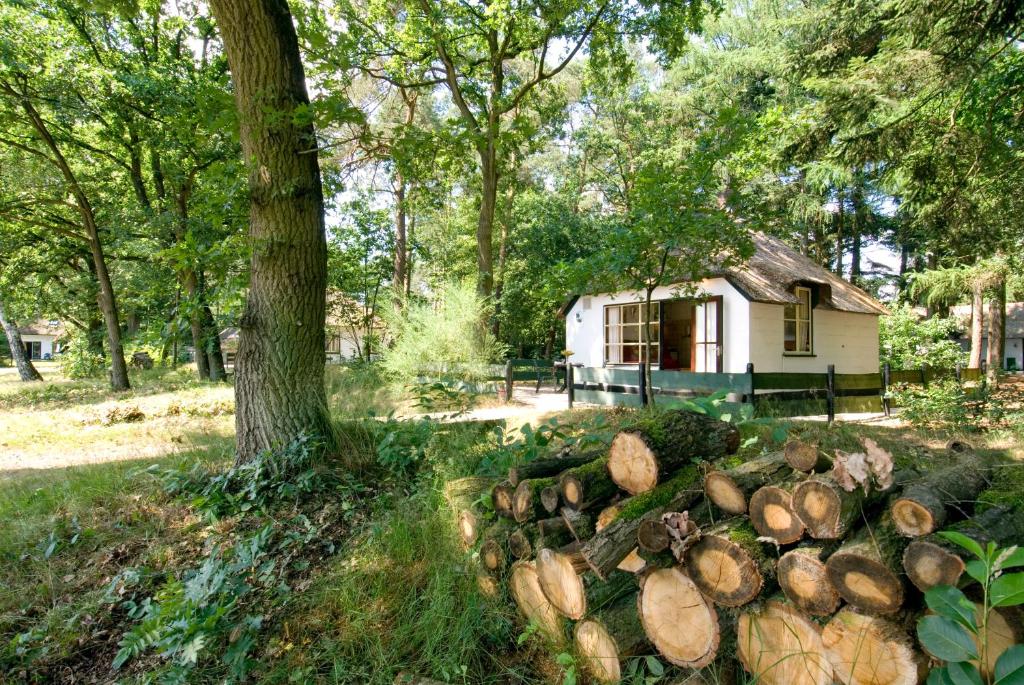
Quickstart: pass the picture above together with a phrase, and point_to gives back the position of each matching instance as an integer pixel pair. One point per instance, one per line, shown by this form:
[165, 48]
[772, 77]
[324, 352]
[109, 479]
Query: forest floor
[153, 561]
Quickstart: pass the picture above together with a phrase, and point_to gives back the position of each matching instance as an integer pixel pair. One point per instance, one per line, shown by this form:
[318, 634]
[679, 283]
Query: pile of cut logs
[795, 563]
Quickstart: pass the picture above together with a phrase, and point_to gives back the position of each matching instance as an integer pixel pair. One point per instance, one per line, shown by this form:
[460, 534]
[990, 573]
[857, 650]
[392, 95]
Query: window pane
[789, 312]
[611, 315]
[630, 354]
[630, 313]
[790, 336]
[613, 354]
[612, 334]
[804, 338]
[631, 334]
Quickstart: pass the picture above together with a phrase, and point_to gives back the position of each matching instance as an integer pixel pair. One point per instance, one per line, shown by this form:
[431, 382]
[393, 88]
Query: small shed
[42, 339]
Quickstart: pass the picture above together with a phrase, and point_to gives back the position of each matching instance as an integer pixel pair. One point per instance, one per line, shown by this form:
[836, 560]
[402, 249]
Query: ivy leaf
[1008, 590]
[1010, 666]
[949, 602]
[946, 640]
[967, 543]
[964, 673]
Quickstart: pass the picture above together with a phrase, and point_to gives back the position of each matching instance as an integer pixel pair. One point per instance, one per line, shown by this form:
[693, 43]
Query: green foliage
[78, 361]
[956, 632]
[442, 338]
[944, 403]
[907, 341]
[512, 447]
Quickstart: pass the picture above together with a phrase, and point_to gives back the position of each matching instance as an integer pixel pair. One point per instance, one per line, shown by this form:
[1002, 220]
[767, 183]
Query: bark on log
[588, 485]
[867, 650]
[679, 621]
[925, 505]
[866, 570]
[652, 536]
[579, 525]
[550, 466]
[778, 645]
[805, 456]
[533, 604]
[730, 489]
[804, 581]
[772, 513]
[829, 511]
[728, 564]
[501, 498]
[607, 636]
[933, 560]
[657, 445]
[528, 501]
[571, 593]
[607, 549]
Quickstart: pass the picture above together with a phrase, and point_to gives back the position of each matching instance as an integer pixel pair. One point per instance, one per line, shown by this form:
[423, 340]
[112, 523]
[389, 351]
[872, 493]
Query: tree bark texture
[977, 324]
[280, 365]
[926, 504]
[26, 370]
[997, 328]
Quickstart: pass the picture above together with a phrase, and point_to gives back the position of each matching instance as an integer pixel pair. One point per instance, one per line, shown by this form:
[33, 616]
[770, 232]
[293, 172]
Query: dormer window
[798, 337]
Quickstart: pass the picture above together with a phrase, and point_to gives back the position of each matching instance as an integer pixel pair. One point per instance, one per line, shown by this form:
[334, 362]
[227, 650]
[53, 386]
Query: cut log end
[914, 519]
[492, 556]
[865, 583]
[652, 536]
[819, 508]
[561, 584]
[802, 456]
[804, 581]
[549, 497]
[519, 545]
[772, 515]
[928, 565]
[469, 527]
[501, 499]
[678, 619]
[599, 651]
[781, 646]
[522, 502]
[724, 493]
[534, 605]
[572, 491]
[866, 650]
[632, 563]
[723, 571]
[632, 464]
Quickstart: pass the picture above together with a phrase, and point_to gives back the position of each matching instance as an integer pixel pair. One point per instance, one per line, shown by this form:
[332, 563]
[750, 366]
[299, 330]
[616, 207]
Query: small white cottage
[42, 339]
[779, 310]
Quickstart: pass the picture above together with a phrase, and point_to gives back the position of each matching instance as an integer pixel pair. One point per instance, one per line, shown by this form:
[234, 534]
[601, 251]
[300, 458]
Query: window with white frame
[798, 337]
[624, 333]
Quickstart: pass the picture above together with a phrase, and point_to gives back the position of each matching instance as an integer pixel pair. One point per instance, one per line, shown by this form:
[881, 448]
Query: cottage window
[797, 324]
[624, 333]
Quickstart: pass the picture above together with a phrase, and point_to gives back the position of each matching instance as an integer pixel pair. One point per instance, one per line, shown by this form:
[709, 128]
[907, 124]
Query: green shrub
[77, 361]
[943, 404]
[906, 341]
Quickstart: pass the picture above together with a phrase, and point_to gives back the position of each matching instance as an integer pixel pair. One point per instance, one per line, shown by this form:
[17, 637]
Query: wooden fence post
[886, 382]
[924, 375]
[508, 380]
[830, 387]
[750, 383]
[643, 384]
[570, 383]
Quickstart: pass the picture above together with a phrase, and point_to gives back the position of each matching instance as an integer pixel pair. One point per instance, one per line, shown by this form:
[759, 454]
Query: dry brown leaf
[881, 464]
[850, 469]
[682, 532]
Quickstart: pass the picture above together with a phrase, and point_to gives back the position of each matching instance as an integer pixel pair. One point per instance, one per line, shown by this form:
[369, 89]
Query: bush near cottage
[907, 341]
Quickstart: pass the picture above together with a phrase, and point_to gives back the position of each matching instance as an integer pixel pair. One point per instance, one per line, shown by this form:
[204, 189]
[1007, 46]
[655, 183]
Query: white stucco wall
[584, 334]
[46, 343]
[850, 341]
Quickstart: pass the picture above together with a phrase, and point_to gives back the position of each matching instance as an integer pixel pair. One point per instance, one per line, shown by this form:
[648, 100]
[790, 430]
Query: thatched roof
[1014, 319]
[43, 327]
[775, 268]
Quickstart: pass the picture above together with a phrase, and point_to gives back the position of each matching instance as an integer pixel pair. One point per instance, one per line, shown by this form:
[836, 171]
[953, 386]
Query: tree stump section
[659, 444]
[728, 564]
[677, 618]
[607, 636]
[588, 485]
[933, 560]
[730, 489]
[805, 456]
[781, 646]
[501, 499]
[532, 603]
[923, 506]
[805, 583]
[569, 593]
[826, 509]
[551, 466]
[866, 569]
[866, 650]
[773, 516]
[532, 499]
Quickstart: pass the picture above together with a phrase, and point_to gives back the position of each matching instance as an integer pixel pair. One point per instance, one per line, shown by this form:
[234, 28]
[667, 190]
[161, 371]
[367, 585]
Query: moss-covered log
[606, 549]
[588, 485]
[657, 444]
[579, 524]
[462, 496]
[779, 645]
[926, 504]
[520, 543]
[868, 650]
[804, 581]
[805, 456]
[867, 569]
[728, 564]
[501, 499]
[772, 514]
[933, 560]
[572, 593]
[533, 604]
[529, 501]
[551, 466]
[607, 636]
[679, 621]
[730, 489]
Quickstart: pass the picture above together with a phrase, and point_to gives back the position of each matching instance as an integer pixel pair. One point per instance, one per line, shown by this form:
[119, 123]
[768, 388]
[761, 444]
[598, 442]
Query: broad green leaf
[949, 602]
[965, 542]
[964, 673]
[976, 569]
[939, 676]
[945, 639]
[654, 666]
[1010, 666]
[1008, 590]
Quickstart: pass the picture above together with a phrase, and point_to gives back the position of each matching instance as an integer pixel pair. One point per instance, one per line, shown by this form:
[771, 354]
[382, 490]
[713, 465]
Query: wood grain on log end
[915, 518]
[928, 565]
[781, 646]
[772, 515]
[866, 650]
[819, 505]
[865, 582]
[802, 456]
[534, 605]
[469, 527]
[804, 581]
[724, 493]
[501, 499]
[561, 583]
[677, 618]
[632, 464]
[723, 571]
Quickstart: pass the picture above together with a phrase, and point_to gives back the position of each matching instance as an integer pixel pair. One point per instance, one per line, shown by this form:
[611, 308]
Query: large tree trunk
[996, 328]
[26, 370]
[214, 354]
[279, 372]
[977, 324]
[195, 321]
[485, 222]
[399, 267]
